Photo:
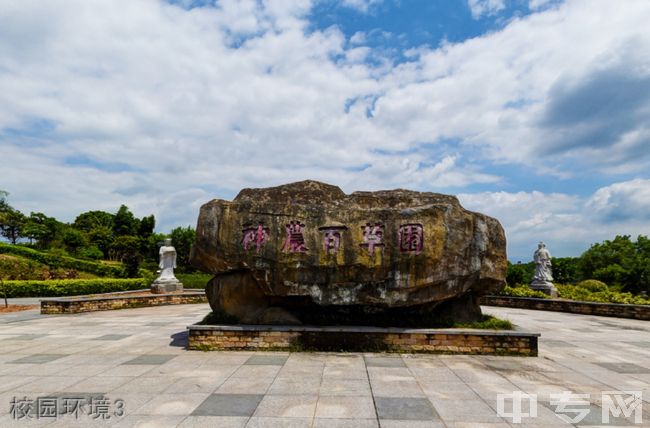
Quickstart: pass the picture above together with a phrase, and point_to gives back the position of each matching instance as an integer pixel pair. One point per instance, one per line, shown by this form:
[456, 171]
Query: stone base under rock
[161, 287]
[237, 297]
[545, 287]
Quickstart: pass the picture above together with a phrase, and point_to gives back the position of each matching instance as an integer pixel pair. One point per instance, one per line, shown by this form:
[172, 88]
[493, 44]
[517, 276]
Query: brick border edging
[638, 312]
[348, 338]
[81, 304]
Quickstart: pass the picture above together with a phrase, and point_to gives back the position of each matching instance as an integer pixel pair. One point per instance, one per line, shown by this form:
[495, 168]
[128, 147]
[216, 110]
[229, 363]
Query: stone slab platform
[120, 300]
[351, 338]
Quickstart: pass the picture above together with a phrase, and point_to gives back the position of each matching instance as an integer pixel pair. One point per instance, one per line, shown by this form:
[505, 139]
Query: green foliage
[11, 223]
[91, 220]
[72, 287]
[566, 270]
[592, 285]
[572, 292]
[125, 223]
[522, 291]
[58, 261]
[488, 322]
[194, 280]
[182, 240]
[520, 273]
[621, 263]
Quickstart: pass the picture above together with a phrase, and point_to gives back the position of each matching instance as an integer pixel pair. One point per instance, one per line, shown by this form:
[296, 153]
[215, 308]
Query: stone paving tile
[172, 404]
[145, 421]
[99, 383]
[195, 385]
[345, 407]
[449, 390]
[270, 422]
[459, 410]
[295, 386]
[112, 337]
[149, 359]
[267, 360]
[405, 408]
[345, 423]
[245, 385]
[29, 336]
[37, 359]
[344, 387]
[214, 422]
[627, 368]
[396, 388]
[257, 372]
[342, 372]
[228, 405]
[287, 406]
[384, 361]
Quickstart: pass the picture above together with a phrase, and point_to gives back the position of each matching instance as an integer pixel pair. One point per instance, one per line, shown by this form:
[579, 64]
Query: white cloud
[361, 5]
[480, 8]
[169, 107]
[567, 223]
[622, 201]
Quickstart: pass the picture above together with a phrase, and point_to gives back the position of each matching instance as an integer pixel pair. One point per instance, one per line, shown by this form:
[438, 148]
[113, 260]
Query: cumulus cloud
[164, 106]
[480, 8]
[568, 223]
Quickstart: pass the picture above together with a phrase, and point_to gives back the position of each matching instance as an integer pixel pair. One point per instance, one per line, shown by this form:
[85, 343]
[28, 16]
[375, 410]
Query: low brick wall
[369, 339]
[75, 305]
[638, 312]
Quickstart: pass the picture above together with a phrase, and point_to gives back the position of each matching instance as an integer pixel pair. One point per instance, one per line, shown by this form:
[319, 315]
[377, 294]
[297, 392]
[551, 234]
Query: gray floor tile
[267, 360]
[384, 362]
[404, 408]
[28, 336]
[37, 359]
[228, 405]
[624, 368]
[150, 359]
[112, 337]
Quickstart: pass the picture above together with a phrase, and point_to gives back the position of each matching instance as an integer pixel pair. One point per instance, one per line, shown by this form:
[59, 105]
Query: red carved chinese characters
[254, 235]
[295, 241]
[411, 238]
[373, 235]
[332, 238]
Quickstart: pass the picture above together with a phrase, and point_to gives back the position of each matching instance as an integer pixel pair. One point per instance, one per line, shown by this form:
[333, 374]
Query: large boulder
[307, 252]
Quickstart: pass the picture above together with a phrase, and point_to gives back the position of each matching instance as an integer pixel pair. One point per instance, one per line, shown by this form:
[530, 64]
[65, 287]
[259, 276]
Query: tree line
[622, 263]
[96, 235]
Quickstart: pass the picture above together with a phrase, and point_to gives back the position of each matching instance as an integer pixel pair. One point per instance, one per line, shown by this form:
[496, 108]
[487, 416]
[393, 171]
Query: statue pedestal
[161, 286]
[544, 286]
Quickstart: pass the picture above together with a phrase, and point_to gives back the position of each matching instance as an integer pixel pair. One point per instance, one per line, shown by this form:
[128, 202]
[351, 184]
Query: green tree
[566, 270]
[182, 240]
[147, 225]
[74, 240]
[91, 220]
[12, 223]
[42, 229]
[102, 238]
[621, 263]
[127, 250]
[125, 223]
[520, 273]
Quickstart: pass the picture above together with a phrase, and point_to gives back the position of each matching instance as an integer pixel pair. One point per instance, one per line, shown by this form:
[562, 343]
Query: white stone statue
[542, 281]
[166, 281]
[167, 260]
[543, 267]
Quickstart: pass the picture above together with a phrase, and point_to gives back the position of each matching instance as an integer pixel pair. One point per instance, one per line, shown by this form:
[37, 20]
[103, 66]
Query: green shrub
[73, 287]
[572, 292]
[194, 280]
[522, 292]
[488, 322]
[592, 285]
[58, 261]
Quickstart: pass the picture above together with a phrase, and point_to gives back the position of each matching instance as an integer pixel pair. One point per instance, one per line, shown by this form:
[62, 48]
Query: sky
[535, 112]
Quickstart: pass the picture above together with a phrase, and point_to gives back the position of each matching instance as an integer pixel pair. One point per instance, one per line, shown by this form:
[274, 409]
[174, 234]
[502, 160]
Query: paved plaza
[138, 356]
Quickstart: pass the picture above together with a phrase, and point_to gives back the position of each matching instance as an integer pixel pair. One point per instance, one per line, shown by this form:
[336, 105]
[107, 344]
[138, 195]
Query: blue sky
[532, 111]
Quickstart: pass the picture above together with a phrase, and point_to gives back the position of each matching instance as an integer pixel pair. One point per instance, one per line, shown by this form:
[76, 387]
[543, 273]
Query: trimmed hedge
[71, 287]
[522, 291]
[57, 261]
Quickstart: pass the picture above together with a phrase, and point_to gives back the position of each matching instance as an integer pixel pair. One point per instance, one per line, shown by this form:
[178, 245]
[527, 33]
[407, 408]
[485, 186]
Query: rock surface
[307, 252]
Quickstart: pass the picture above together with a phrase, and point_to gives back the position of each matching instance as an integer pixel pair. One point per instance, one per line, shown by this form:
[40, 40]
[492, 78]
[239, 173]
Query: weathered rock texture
[307, 252]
